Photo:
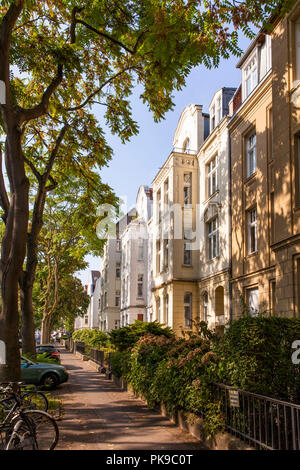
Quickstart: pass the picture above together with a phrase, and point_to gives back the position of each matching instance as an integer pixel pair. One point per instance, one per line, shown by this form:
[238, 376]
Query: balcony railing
[185, 151]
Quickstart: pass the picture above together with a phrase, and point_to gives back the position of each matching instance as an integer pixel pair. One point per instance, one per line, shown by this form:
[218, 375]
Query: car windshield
[24, 359]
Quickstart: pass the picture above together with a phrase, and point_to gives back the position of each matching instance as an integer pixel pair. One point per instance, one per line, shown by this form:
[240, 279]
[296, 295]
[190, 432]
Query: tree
[63, 243]
[68, 57]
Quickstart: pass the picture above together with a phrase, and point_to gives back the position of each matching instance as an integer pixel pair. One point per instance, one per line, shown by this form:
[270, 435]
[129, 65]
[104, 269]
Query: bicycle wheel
[44, 428]
[21, 437]
[35, 400]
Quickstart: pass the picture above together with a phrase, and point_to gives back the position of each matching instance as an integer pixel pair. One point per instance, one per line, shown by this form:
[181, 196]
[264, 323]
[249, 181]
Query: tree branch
[106, 36]
[42, 107]
[88, 99]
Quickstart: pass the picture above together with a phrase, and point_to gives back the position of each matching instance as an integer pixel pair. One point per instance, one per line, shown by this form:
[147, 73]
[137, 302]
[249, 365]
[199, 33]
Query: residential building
[90, 318]
[109, 298]
[175, 196]
[214, 215]
[134, 265]
[264, 134]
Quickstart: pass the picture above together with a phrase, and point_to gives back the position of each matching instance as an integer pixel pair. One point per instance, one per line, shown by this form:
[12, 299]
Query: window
[187, 310]
[186, 146]
[212, 181]
[140, 249]
[251, 154]
[166, 192]
[105, 299]
[158, 256]
[86, 319]
[252, 301]
[297, 168]
[270, 134]
[250, 76]
[158, 196]
[297, 51]
[118, 270]
[213, 238]
[167, 309]
[140, 317]
[118, 245]
[140, 285]
[166, 254]
[205, 306]
[117, 300]
[212, 119]
[187, 188]
[105, 274]
[272, 296]
[272, 218]
[187, 253]
[158, 312]
[252, 230]
[219, 301]
[219, 110]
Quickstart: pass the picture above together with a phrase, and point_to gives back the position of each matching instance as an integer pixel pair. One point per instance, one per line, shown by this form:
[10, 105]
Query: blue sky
[138, 161]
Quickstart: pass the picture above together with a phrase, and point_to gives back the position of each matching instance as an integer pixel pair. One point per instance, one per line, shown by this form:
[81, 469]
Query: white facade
[214, 216]
[110, 286]
[90, 318]
[134, 265]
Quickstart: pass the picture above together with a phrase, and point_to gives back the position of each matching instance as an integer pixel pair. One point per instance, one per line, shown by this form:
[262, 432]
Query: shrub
[255, 355]
[126, 337]
[93, 338]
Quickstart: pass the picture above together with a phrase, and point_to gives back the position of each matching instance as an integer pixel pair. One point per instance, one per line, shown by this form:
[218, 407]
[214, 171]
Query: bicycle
[27, 429]
[30, 396]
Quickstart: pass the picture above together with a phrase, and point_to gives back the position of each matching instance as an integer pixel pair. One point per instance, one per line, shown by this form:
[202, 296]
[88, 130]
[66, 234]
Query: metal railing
[97, 356]
[264, 422]
[80, 347]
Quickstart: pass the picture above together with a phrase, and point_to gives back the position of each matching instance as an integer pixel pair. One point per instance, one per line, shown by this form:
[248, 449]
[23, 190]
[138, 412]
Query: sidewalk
[100, 416]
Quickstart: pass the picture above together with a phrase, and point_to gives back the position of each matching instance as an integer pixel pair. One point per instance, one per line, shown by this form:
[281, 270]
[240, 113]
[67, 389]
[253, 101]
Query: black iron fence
[97, 356]
[263, 422]
[80, 347]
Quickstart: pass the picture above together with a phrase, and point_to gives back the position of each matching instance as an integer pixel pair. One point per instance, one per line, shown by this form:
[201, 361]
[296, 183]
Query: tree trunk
[46, 330]
[28, 328]
[13, 252]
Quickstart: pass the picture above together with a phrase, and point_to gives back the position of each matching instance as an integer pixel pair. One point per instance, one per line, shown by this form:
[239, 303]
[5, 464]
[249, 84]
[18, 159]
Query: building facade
[175, 197]
[214, 216]
[109, 298]
[134, 266]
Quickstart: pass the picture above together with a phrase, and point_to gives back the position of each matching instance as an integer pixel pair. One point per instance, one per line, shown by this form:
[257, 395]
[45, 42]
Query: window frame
[213, 242]
[250, 290]
[251, 154]
[212, 175]
[250, 225]
[188, 305]
[140, 285]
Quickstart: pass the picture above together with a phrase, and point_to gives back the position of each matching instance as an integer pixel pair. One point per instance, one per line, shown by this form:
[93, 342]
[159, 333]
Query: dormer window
[219, 110]
[213, 118]
[257, 65]
[250, 80]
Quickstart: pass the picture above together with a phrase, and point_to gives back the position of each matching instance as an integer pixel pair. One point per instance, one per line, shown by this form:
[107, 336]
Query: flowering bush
[254, 354]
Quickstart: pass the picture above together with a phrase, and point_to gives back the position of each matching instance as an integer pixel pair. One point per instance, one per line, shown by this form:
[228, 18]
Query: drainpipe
[230, 225]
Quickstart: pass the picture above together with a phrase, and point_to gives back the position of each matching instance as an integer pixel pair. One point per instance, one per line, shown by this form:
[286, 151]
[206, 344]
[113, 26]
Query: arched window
[219, 301]
[186, 146]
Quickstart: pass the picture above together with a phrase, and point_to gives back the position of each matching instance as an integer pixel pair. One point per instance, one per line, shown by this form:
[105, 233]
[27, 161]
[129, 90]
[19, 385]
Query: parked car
[46, 375]
[49, 349]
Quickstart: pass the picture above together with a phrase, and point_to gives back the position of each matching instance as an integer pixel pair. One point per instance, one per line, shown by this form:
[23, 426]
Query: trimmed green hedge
[254, 354]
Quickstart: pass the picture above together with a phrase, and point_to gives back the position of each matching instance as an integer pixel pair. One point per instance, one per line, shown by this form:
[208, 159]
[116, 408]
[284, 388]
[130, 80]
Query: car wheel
[49, 381]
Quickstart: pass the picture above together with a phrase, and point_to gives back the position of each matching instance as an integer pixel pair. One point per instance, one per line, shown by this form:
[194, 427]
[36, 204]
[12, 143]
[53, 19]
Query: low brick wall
[192, 424]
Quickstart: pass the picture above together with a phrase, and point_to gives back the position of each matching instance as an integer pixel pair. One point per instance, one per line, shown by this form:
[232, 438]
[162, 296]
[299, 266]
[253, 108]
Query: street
[100, 416]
